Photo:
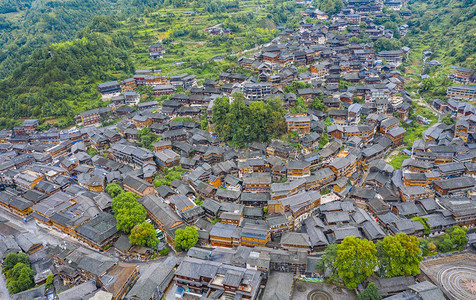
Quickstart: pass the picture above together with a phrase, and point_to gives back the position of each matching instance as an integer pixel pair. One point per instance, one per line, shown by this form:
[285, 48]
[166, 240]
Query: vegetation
[164, 252]
[239, 123]
[446, 28]
[327, 262]
[399, 255]
[114, 189]
[424, 222]
[128, 211]
[453, 239]
[18, 272]
[396, 160]
[370, 293]
[146, 138]
[59, 80]
[185, 238]
[49, 281]
[143, 234]
[355, 260]
[331, 6]
[169, 176]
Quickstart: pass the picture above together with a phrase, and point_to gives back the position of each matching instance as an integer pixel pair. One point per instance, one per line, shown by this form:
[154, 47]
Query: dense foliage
[169, 175]
[14, 258]
[370, 293]
[60, 80]
[239, 123]
[355, 261]
[143, 234]
[185, 238]
[114, 189]
[128, 211]
[18, 272]
[399, 255]
[447, 28]
[28, 28]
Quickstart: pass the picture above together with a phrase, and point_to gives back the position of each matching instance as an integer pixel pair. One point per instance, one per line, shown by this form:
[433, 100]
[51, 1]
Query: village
[264, 213]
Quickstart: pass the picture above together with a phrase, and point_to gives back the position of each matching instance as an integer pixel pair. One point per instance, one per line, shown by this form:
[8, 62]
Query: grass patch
[396, 161]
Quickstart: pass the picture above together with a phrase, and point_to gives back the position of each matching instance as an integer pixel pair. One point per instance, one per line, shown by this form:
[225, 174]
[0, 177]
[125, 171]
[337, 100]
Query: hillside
[60, 80]
[445, 27]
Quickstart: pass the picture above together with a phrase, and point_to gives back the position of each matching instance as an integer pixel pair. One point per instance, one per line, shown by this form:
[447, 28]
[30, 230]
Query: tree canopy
[399, 255]
[114, 189]
[17, 270]
[186, 238]
[143, 234]
[355, 261]
[20, 278]
[14, 258]
[128, 211]
[239, 123]
[370, 293]
[327, 262]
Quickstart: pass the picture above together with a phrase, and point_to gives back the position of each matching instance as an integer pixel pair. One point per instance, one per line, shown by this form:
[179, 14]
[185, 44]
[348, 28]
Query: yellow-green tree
[399, 255]
[355, 261]
[143, 234]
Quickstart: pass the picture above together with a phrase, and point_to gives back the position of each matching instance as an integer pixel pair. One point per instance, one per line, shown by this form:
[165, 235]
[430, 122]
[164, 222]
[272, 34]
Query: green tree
[129, 217]
[49, 281]
[446, 244]
[92, 151]
[458, 236]
[164, 252]
[14, 258]
[114, 189]
[143, 234]
[447, 119]
[323, 140]
[355, 261]
[399, 255]
[327, 262]
[300, 106]
[317, 104]
[20, 278]
[331, 6]
[370, 293]
[123, 200]
[186, 238]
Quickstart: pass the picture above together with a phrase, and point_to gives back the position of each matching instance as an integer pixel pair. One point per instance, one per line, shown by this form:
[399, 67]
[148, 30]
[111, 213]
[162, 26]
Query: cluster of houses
[268, 208]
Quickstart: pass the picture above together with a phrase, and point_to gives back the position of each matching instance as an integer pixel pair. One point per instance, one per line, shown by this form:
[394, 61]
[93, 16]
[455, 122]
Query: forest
[59, 81]
[239, 123]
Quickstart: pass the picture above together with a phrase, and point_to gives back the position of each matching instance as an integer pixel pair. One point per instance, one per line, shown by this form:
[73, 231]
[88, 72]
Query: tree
[327, 262]
[20, 278]
[317, 104]
[355, 261]
[123, 200]
[370, 293]
[446, 244]
[143, 234]
[447, 119]
[331, 6]
[14, 258]
[127, 218]
[323, 140]
[114, 189]
[49, 281]
[92, 151]
[399, 255]
[185, 238]
[300, 106]
[458, 236]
